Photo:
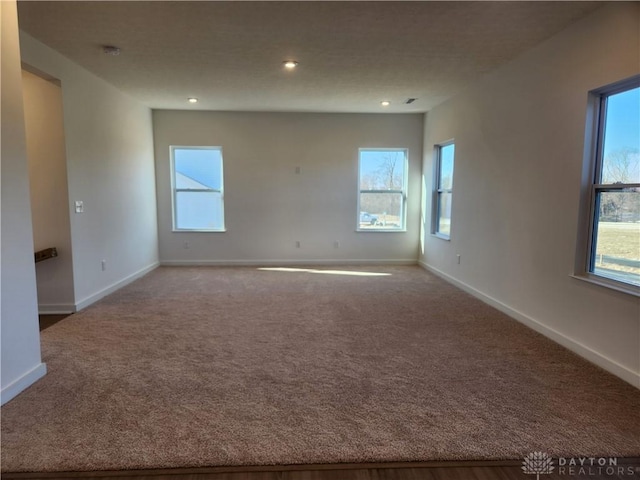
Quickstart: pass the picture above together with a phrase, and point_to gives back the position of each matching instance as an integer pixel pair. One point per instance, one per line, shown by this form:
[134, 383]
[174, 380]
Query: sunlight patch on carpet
[326, 272]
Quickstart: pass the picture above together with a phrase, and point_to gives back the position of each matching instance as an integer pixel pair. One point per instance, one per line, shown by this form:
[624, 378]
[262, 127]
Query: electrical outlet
[186, 245]
[103, 264]
[336, 244]
[458, 256]
[79, 206]
[297, 243]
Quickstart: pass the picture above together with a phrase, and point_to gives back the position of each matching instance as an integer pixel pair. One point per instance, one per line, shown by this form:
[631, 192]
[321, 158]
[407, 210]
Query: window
[443, 191]
[197, 183]
[382, 189]
[614, 240]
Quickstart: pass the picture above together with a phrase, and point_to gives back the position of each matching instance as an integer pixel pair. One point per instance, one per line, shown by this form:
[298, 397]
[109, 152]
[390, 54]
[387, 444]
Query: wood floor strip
[455, 470]
[260, 468]
[425, 473]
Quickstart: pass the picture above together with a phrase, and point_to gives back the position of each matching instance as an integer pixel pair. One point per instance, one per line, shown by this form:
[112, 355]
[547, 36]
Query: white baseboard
[271, 263]
[585, 352]
[84, 303]
[14, 388]
[56, 308]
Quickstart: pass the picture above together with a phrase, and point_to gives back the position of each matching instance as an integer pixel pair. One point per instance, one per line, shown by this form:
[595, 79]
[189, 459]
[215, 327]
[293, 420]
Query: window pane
[382, 169]
[617, 248]
[198, 168]
[444, 214]
[199, 211]
[381, 211]
[446, 166]
[621, 153]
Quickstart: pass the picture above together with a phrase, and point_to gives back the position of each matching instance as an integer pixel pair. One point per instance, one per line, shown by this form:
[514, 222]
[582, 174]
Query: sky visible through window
[376, 166]
[447, 153]
[623, 121]
[202, 165]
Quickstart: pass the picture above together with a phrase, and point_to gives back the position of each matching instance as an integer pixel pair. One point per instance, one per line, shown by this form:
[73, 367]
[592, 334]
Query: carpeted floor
[239, 366]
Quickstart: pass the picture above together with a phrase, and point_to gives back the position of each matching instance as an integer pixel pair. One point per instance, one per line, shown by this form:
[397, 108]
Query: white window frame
[438, 191]
[403, 192]
[589, 206]
[174, 190]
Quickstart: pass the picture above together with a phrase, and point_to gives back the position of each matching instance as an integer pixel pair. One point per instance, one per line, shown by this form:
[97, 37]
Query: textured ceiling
[352, 54]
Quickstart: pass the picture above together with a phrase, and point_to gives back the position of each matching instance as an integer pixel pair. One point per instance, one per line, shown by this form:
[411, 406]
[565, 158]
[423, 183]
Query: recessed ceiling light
[111, 50]
[290, 64]
[192, 100]
[385, 103]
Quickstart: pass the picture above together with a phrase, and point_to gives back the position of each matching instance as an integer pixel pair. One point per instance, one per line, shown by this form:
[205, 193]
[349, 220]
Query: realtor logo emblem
[537, 463]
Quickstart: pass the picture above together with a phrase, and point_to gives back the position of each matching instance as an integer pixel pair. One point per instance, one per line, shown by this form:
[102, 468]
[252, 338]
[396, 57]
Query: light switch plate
[79, 206]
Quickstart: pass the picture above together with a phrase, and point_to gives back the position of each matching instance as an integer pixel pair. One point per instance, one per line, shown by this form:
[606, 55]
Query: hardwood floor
[502, 470]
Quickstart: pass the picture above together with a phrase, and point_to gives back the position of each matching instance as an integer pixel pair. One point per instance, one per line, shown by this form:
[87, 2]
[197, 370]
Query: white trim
[380, 230]
[56, 308]
[25, 381]
[261, 263]
[585, 352]
[115, 286]
[602, 281]
[441, 236]
[183, 230]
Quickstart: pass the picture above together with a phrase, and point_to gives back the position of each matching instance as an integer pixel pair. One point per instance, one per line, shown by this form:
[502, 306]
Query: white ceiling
[352, 54]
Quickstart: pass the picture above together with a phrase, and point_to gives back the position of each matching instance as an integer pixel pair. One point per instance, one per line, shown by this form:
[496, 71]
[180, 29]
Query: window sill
[608, 283]
[184, 230]
[379, 230]
[441, 237]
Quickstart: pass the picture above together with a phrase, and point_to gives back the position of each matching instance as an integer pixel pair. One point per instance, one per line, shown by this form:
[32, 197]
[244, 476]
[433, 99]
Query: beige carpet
[239, 366]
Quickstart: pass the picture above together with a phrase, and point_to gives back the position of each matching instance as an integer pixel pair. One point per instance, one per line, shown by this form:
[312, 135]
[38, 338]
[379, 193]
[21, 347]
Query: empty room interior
[320, 240]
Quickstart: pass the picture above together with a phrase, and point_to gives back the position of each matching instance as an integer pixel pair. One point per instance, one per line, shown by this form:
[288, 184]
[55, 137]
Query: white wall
[268, 207]
[49, 194]
[109, 144]
[21, 365]
[519, 136]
